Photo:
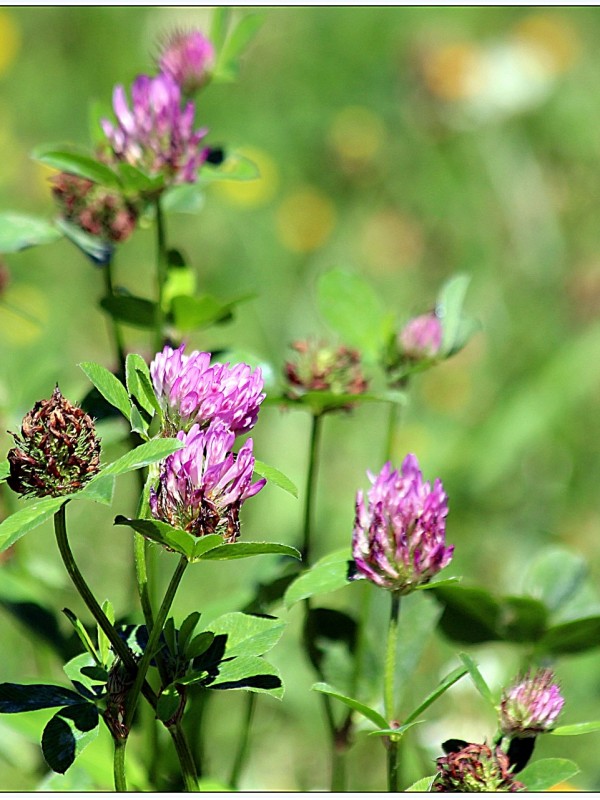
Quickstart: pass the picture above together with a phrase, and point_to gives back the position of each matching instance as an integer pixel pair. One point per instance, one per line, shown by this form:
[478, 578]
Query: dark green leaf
[67, 733]
[135, 311]
[247, 634]
[275, 476]
[193, 313]
[26, 519]
[250, 673]
[88, 684]
[577, 729]
[521, 619]
[477, 678]
[173, 538]
[444, 685]
[19, 231]
[571, 637]
[82, 634]
[66, 159]
[108, 385]
[370, 713]
[340, 294]
[137, 423]
[470, 614]
[139, 384]
[16, 697]
[100, 490]
[327, 575]
[539, 776]
[142, 456]
[186, 629]
[168, 703]
[226, 552]
[199, 645]
[435, 584]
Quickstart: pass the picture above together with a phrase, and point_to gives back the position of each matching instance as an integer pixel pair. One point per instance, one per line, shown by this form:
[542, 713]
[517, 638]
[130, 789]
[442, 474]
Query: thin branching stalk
[116, 330]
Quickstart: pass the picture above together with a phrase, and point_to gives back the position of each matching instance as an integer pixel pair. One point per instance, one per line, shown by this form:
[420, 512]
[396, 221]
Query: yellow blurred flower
[451, 72]
[356, 133]
[552, 36]
[10, 40]
[256, 192]
[305, 219]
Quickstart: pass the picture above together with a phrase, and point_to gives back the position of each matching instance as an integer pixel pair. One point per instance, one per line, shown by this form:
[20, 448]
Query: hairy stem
[388, 690]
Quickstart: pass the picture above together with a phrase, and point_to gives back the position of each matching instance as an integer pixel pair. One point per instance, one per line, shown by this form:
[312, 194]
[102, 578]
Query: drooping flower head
[156, 134]
[201, 487]
[420, 338]
[399, 539]
[57, 451]
[94, 208]
[321, 367]
[191, 390]
[531, 705]
[476, 768]
[187, 56]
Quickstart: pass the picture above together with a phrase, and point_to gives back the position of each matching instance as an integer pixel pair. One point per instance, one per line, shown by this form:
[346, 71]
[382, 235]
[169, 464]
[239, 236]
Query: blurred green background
[403, 144]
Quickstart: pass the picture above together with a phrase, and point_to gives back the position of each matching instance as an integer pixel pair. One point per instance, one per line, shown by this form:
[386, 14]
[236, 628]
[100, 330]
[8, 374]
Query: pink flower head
[531, 705]
[190, 390]
[421, 337]
[399, 536]
[201, 487]
[187, 57]
[156, 134]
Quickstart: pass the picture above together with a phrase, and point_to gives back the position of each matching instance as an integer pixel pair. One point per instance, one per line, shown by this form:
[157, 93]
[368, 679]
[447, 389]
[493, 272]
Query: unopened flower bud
[531, 705]
[476, 768]
[57, 451]
[319, 367]
[187, 56]
[420, 338]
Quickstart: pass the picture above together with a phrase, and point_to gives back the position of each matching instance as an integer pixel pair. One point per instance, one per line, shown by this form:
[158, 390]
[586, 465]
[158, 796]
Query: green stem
[311, 485]
[119, 765]
[119, 646]
[186, 759]
[116, 330]
[242, 751]
[154, 635]
[388, 690]
[161, 272]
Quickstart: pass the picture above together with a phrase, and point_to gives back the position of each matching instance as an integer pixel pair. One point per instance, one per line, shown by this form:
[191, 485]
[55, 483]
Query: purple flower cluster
[531, 705]
[156, 133]
[202, 486]
[190, 390]
[399, 535]
[187, 57]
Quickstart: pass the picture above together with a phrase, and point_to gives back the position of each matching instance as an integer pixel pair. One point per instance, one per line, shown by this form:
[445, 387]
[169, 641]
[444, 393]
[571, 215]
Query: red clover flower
[190, 390]
[399, 536]
[531, 705]
[156, 134]
[201, 487]
[187, 57]
[421, 338]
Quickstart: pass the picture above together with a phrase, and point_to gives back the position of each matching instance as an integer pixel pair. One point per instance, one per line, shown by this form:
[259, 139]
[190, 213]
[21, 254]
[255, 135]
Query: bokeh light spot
[552, 36]
[356, 133]
[390, 241]
[10, 40]
[305, 220]
[451, 72]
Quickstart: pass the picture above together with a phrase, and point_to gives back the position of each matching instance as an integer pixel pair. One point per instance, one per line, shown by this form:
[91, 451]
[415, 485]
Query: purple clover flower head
[190, 390]
[156, 133]
[187, 57]
[531, 705]
[421, 337]
[201, 487]
[399, 534]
